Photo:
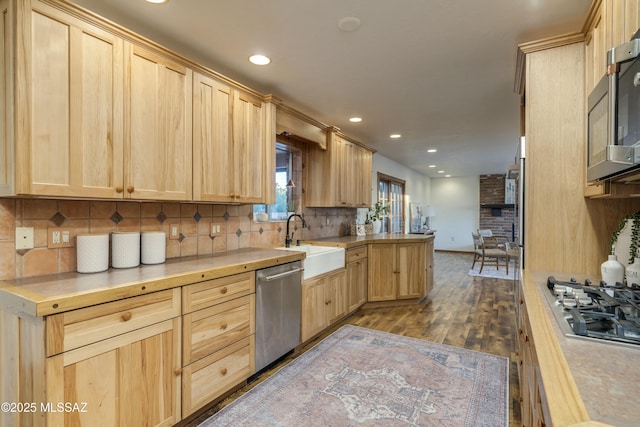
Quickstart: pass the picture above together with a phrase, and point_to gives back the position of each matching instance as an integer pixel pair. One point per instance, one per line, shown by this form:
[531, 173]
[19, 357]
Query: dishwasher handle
[280, 275]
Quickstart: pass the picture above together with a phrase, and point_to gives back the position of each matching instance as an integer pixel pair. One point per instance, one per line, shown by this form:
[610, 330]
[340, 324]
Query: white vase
[612, 271]
[377, 226]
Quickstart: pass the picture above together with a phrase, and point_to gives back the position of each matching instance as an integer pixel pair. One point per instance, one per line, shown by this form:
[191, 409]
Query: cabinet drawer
[355, 254]
[208, 378]
[77, 328]
[205, 294]
[211, 329]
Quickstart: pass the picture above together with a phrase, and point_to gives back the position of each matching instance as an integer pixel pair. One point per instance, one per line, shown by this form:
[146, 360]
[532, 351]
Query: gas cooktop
[596, 312]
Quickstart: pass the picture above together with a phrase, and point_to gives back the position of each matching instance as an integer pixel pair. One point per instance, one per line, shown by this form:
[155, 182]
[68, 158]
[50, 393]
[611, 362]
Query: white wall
[417, 185]
[457, 204]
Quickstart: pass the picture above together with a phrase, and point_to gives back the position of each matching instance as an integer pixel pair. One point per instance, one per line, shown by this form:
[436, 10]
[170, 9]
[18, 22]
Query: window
[288, 172]
[391, 194]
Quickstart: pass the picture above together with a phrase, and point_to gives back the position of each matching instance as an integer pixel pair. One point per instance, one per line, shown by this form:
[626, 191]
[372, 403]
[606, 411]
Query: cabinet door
[356, 277]
[129, 380]
[248, 146]
[72, 138]
[363, 177]
[429, 267]
[343, 178]
[337, 296]
[158, 127]
[213, 158]
[382, 272]
[313, 308]
[410, 265]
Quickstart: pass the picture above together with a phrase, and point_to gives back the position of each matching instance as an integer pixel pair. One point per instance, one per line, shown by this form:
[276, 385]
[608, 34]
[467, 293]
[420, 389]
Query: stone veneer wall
[492, 192]
[237, 229]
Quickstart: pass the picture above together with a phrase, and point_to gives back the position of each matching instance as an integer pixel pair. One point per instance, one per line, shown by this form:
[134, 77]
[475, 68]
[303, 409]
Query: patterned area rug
[491, 271]
[358, 376]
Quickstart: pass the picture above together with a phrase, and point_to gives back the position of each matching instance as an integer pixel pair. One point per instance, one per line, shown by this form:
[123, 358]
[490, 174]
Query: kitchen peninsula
[399, 266]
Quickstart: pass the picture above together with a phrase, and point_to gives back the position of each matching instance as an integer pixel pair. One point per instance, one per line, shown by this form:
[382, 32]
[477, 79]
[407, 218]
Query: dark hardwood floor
[476, 313]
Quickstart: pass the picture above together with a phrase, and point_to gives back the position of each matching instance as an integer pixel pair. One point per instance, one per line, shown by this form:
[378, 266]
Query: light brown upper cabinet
[88, 113]
[63, 79]
[231, 153]
[338, 176]
[157, 127]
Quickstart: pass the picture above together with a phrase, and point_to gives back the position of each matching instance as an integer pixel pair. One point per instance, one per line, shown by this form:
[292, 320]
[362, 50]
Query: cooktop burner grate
[602, 313]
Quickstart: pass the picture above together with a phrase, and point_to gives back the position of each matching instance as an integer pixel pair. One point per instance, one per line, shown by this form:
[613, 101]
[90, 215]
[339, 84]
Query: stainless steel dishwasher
[278, 306]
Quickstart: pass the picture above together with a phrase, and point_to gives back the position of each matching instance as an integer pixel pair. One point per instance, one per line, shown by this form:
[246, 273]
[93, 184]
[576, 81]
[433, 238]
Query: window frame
[388, 223]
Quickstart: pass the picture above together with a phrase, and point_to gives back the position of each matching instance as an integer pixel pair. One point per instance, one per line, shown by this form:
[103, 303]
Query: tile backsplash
[237, 228]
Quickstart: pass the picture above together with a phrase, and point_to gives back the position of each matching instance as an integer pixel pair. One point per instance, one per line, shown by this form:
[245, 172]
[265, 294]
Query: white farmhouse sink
[320, 259]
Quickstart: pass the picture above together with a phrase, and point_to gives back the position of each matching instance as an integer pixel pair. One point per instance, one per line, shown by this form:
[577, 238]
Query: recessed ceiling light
[432, 166]
[440, 171]
[447, 176]
[395, 135]
[349, 24]
[259, 59]
[355, 119]
[432, 150]
[158, 1]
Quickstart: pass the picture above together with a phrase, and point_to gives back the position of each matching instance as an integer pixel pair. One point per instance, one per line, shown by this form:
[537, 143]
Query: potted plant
[375, 215]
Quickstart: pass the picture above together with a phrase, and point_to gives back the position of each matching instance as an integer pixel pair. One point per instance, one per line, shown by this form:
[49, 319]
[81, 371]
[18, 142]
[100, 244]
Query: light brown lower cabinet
[357, 275]
[397, 271]
[218, 338]
[128, 380]
[324, 301]
[148, 360]
[528, 372]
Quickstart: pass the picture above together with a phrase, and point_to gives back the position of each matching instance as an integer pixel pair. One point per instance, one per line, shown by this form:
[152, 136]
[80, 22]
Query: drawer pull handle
[223, 371]
[119, 189]
[223, 290]
[177, 371]
[224, 326]
[130, 189]
[126, 316]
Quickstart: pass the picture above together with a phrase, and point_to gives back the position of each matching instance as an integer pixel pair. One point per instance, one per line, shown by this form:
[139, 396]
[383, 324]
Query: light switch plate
[24, 238]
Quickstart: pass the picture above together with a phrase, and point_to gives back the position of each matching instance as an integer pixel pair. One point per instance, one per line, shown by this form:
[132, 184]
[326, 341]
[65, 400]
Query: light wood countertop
[44, 295]
[584, 381]
[353, 241]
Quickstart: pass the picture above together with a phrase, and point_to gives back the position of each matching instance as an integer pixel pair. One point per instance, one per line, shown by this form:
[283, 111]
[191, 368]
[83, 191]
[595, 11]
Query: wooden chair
[489, 250]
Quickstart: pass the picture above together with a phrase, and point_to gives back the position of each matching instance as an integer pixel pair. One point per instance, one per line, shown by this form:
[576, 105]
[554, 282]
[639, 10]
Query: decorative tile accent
[226, 216]
[116, 217]
[250, 216]
[279, 229]
[58, 219]
[261, 230]
[162, 217]
[238, 232]
[181, 237]
[197, 216]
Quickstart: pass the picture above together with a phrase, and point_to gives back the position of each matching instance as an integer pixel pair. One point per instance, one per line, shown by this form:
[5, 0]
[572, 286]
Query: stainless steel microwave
[613, 121]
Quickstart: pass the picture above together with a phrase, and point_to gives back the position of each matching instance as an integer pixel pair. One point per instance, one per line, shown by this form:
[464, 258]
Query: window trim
[402, 183]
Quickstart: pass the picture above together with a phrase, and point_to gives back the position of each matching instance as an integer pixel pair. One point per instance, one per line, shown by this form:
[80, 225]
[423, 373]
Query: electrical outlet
[215, 229]
[59, 237]
[24, 238]
[174, 231]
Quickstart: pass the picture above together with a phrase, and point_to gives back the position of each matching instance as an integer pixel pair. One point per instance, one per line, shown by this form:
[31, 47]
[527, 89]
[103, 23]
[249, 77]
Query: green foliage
[635, 233]
[377, 212]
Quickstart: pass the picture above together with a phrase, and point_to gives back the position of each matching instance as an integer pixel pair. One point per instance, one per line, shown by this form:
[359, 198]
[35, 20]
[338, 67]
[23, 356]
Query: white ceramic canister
[632, 273]
[153, 247]
[125, 249]
[92, 252]
[612, 271]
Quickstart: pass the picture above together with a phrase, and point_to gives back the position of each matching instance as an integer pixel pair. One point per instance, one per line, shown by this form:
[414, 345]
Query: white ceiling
[440, 72]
